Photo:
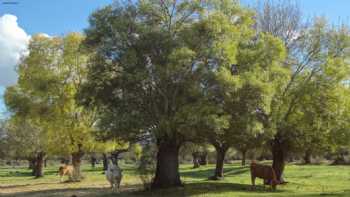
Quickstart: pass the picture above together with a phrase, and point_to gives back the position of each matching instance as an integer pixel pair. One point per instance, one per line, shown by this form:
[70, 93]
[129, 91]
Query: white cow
[114, 176]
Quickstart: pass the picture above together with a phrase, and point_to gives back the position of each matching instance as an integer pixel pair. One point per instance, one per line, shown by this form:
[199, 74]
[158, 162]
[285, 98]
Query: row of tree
[186, 71]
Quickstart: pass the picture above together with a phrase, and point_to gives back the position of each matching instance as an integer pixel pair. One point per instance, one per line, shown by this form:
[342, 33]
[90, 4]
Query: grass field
[309, 181]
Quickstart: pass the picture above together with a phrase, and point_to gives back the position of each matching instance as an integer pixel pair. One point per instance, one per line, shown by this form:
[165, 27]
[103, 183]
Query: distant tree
[25, 141]
[199, 153]
[281, 18]
[242, 91]
[3, 140]
[323, 70]
[314, 52]
[49, 78]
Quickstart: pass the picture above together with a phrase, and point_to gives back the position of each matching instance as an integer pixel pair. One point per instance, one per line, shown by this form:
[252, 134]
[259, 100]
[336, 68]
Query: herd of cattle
[114, 174]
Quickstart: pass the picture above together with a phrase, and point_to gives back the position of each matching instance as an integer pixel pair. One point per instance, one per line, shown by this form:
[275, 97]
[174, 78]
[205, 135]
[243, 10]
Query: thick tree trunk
[244, 157]
[307, 157]
[279, 158]
[167, 169]
[76, 162]
[195, 157]
[220, 158]
[105, 162]
[39, 165]
[203, 160]
[93, 161]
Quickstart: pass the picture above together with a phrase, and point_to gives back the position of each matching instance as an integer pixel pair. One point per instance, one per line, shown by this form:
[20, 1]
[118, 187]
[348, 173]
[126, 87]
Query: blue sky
[58, 17]
[53, 17]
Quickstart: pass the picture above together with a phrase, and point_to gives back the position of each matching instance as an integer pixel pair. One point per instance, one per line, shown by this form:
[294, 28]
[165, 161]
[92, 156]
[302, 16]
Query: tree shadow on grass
[26, 173]
[190, 189]
[17, 174]
[25, 185]
[205, 173]
[345, 193]
[127, 191]
[222, 187]
[207, 188]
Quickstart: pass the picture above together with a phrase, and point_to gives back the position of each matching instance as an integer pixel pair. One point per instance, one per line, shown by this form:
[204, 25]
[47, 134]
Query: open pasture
[309, 181]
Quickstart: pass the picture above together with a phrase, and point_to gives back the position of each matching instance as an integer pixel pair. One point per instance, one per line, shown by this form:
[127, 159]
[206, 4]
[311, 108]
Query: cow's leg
[118, 185]
[273, 185]
[253, 181]
[264, 183]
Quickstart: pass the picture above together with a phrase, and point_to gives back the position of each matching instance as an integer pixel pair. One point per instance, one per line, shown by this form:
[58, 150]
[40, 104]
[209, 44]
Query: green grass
[309, 181]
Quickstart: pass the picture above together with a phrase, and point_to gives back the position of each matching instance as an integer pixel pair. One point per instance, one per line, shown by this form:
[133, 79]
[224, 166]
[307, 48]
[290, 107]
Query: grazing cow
[114, 176]
[65, 170]
[264, 172]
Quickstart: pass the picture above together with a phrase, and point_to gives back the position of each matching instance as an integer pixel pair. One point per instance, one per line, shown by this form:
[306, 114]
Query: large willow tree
[155, 64]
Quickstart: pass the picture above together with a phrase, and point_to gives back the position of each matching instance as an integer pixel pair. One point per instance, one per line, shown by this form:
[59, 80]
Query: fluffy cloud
[13, 44]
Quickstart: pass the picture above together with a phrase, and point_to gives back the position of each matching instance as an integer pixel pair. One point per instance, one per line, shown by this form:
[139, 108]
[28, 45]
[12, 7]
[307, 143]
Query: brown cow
[267, 173]
[65, 170]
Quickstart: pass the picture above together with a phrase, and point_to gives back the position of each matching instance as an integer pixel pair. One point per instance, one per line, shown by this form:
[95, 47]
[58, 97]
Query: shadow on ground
[205, 173]
[190, 189]
[127, 191]
[17, 173]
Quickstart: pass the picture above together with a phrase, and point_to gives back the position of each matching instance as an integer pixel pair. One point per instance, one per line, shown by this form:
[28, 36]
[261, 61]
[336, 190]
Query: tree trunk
[167, 169]
[203, 160]
[196, 163]
[279, 158]
[31, 165]
[39, 165]
[243, 157]
[93, 161]
[76, 162]
[307, 157]
[220, 158]
[105, 162]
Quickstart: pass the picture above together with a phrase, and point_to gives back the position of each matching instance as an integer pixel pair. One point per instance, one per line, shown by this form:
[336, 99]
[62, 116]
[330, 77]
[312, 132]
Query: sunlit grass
[310, 180]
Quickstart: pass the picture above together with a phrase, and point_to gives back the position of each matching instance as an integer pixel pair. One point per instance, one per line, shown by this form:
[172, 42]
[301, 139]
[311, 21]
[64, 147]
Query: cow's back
[262, 171]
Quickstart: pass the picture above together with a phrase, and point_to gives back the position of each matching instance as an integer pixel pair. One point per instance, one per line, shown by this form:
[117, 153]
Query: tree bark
[307, 157]
[76, 162]
[195, 157]
[220, 158]
[167, 169]
[38, 170]
[93, 161]
[105, 162]
[279, 158]
[244, 157]
[203, 160]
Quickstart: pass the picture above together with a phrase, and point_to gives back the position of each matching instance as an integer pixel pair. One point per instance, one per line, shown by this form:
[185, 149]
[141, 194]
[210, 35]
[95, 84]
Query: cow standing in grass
[267, 173]
[66, 170]
[114, 176]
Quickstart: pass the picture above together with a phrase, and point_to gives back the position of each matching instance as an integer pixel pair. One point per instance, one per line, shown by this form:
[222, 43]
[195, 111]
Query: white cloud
[13, 44]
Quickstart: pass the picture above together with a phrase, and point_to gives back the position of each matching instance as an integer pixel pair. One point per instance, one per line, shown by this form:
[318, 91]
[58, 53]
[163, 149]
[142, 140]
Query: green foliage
[148, 76]
[312, 111]
[45, 94]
